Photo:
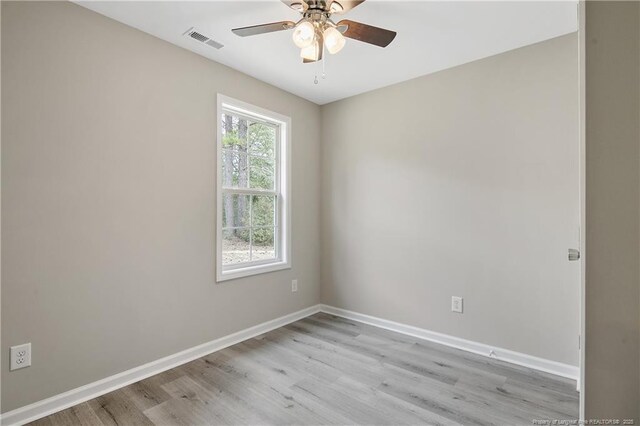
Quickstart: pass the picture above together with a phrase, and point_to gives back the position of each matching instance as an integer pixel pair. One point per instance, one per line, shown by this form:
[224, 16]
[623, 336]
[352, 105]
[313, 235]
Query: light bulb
[333, 40]
[304, 34]
[311, 52]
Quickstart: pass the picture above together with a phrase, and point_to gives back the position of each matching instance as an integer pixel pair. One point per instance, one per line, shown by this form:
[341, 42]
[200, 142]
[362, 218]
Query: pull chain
[324, 74]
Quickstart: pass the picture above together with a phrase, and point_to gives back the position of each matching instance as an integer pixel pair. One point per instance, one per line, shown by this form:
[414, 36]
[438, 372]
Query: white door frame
[582, 196]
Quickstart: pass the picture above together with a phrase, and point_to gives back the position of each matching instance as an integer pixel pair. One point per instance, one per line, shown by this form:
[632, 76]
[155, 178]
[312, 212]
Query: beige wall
[612, 379]
[461, 183]
[108, 201]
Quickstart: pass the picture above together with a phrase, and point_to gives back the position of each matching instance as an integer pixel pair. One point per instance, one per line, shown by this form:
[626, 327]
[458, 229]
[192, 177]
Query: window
[253, 206]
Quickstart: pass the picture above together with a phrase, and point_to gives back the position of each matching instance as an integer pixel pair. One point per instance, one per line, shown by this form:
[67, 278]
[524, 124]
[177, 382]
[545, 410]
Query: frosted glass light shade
[333, 40]
[304, 34]
[311, 52]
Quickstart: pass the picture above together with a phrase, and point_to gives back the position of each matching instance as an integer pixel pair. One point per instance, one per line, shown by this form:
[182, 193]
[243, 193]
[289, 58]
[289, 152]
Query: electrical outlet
[456, 304]
[20, 356]
[294, 285]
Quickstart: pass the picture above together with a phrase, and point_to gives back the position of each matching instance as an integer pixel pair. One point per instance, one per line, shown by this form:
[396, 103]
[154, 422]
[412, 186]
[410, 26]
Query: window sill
[251, 270]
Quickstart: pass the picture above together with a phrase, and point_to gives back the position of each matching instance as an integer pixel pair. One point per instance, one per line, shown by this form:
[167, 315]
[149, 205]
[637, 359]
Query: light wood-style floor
[329, 370]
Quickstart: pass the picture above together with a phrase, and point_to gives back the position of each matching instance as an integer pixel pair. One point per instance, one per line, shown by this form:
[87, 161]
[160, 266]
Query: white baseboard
[541, 364]
[84, 393]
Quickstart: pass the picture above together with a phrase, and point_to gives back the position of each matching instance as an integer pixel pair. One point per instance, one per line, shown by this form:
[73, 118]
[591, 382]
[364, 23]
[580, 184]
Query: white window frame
[282, 188]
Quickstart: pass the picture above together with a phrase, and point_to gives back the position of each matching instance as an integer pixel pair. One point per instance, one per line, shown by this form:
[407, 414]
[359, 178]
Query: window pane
[262, 172]
[263, 210]
[263, 243]
[235, 210]
[262, 140]
[235, 171]
[235, 246]
[234, 132]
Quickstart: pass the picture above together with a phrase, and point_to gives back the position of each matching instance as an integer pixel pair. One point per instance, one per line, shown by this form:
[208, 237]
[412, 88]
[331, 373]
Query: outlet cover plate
[294, 285]
[20, 356]
[456, 304]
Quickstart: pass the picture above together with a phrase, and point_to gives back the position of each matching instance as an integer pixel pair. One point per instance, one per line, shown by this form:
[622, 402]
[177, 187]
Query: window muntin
[253, 199]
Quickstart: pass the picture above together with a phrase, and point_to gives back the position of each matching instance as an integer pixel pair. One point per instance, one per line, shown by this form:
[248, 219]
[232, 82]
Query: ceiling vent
[198, 36]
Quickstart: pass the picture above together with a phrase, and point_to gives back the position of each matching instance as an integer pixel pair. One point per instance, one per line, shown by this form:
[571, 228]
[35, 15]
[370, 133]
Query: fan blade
[297, 5]
[342, 6]
[367, 33]
[263, 28]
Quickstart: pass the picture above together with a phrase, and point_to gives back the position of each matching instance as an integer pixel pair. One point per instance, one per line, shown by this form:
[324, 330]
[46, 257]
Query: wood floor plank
[81, 414]
[270, 400]
[116, 409]
[383, 354]
[329, 370]
[146, 394]
[196, 404]
[401, 411]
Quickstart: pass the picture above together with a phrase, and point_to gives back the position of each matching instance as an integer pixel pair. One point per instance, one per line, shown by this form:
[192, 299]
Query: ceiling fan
[316, 31]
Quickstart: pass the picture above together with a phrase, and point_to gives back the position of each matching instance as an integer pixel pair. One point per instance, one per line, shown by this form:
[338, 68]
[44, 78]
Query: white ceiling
[432, 36]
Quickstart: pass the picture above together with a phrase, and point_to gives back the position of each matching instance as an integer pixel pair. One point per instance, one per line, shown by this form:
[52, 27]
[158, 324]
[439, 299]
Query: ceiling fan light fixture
[316, 29]
[311, 52]
[304, 34]
[333, 40]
